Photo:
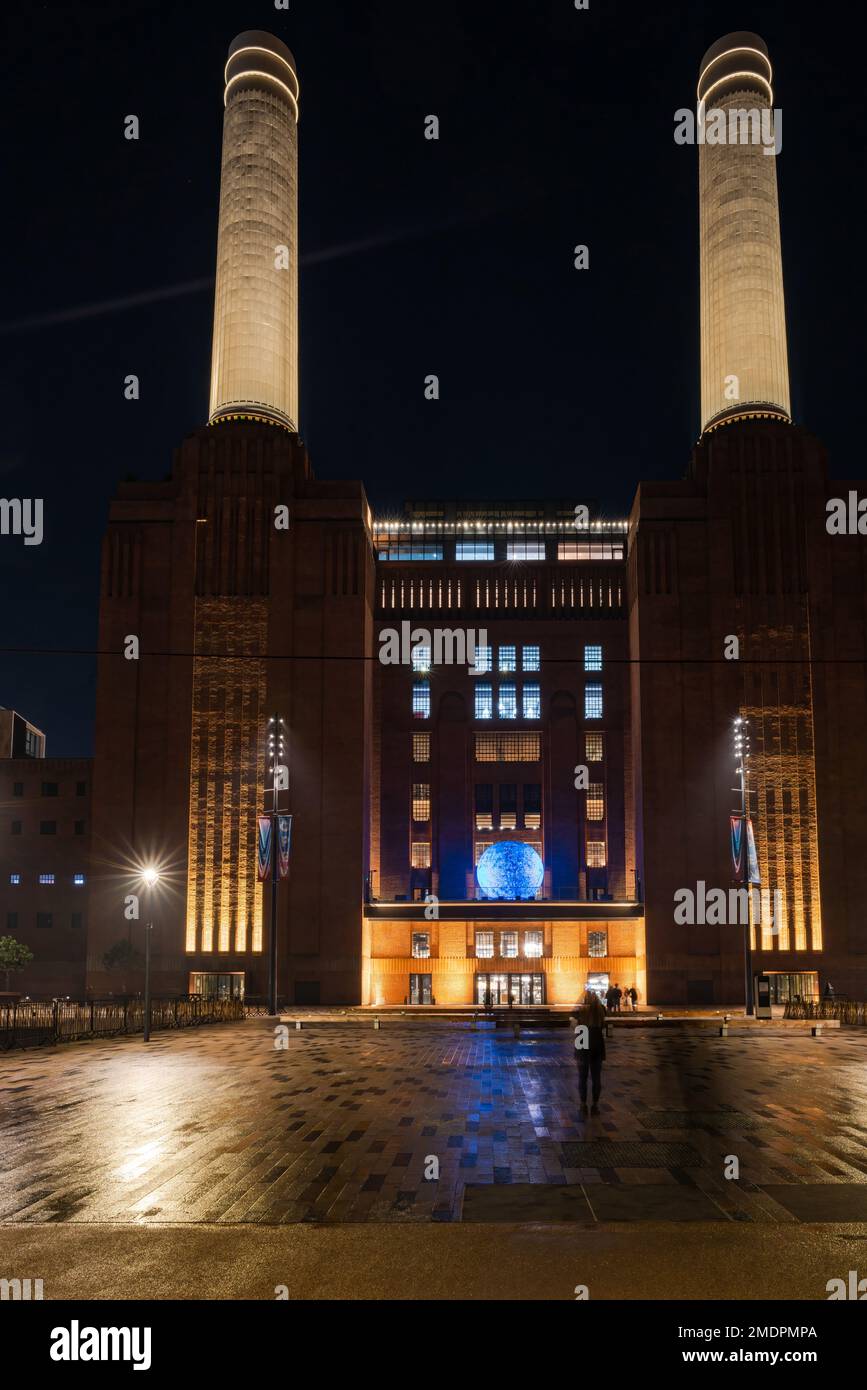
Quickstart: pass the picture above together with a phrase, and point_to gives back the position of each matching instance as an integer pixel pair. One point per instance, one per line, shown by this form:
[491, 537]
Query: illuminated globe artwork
[510, 870]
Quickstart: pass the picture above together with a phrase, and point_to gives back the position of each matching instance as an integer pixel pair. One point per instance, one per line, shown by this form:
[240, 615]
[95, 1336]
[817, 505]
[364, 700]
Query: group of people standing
[589, 1018]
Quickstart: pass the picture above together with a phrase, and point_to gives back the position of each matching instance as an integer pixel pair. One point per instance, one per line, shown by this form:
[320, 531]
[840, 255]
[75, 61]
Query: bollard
[376, 1023]
[724, 1030]
[297, 1025]
[816, 1030]
[659, 1017]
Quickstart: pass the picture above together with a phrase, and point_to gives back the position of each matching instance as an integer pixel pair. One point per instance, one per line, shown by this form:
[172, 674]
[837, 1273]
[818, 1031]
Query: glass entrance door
[599, 984]
[499, 989]
[420, 991]
[492, 989]
[527, 989]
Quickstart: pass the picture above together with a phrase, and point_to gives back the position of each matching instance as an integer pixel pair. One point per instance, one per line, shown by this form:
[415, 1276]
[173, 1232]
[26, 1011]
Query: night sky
[452, 257]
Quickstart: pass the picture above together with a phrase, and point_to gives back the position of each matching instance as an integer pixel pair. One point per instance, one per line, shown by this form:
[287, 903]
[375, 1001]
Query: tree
[123, 956]
[14, 955]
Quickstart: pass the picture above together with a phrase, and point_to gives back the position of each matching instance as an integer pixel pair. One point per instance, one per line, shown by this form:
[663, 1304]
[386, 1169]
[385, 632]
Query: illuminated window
[595, 801]
[421, 801]
[508, 820]
[532, 701]
[597, 943]
[508, 702]
[421, 945]
[525, 550]
[420, 854]
[508, 748]
[596, 854]
[508, 943]
[484, 700]
[78, 880]
[481, 846]
[412, 552]
[421, 700]
[421, 659]
[508, 659]
[592, 658]
[483, 662]
[484, 944]
[474, 550]
[589, 550]
[593, 701]
[46, 879]
[421, 748]
[530, 658]
[593, 748]
[532, 943]
[14, 879]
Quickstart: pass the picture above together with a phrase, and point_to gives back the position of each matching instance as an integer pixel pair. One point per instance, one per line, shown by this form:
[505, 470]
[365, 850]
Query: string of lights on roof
[564, 525]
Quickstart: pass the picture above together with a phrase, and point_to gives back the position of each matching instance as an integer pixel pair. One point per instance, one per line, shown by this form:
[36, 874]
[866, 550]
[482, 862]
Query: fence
[846, 1010]
[36, 1023]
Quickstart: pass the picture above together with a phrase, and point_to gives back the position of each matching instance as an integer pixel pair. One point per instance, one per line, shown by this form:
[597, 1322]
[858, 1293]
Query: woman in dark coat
[590, 1047]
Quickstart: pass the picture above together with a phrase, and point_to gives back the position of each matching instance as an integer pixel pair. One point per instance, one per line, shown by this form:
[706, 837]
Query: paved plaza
[217, 1126]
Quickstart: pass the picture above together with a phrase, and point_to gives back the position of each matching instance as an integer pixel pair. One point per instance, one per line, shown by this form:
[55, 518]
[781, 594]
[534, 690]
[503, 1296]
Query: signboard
[284, 840]
[763, 997]
[263, 848]
[737, 846]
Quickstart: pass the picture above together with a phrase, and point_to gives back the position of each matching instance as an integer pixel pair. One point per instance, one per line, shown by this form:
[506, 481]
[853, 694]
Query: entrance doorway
[599, 984]
[420, 989]
[217, 986]
[522, 989]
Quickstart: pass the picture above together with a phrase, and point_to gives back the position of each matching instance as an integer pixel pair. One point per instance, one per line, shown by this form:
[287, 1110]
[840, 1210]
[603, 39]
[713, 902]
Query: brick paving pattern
[216, 1125]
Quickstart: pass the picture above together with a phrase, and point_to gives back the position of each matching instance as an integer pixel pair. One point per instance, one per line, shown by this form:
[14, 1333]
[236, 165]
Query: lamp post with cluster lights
[741, 734]
[150, 878]
[276, 754]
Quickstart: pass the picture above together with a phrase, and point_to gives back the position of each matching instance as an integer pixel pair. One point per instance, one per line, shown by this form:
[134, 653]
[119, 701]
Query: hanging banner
[737, 847]
[284, 838]
[263, 848]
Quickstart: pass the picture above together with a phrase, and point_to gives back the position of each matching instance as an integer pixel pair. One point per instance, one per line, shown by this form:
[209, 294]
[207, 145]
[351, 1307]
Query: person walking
[609, 999]
[633, 994]
[618, 995]
[590, 1047]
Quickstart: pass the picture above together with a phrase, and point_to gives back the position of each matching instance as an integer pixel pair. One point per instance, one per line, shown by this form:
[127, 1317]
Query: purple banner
[263, 848]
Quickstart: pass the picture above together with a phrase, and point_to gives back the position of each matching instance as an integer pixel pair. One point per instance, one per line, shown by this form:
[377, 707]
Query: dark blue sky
[452, 257]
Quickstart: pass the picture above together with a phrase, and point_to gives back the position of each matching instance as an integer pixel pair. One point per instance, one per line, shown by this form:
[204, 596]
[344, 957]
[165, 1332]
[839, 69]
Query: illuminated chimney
[744, 364]
[254, 363]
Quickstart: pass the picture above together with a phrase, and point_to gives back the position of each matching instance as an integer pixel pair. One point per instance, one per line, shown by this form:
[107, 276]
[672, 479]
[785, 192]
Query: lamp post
[276, 752]
[150, 878]
[742, 757]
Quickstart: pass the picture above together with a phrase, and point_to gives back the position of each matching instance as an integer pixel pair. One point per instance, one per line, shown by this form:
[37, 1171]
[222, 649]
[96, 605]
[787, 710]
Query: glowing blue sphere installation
[510, 870]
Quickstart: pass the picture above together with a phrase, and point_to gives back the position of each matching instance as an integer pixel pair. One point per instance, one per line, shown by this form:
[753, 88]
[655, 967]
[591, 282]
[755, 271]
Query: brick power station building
[595, 723]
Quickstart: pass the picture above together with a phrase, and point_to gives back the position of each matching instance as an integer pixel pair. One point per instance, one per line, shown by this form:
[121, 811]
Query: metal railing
[846, 1010]
[45, 1022]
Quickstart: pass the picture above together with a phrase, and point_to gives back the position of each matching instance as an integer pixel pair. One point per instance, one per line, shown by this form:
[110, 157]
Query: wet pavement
[419, 1125]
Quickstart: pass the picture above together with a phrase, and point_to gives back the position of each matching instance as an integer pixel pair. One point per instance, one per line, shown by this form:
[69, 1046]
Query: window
[595, 801]
[17, 788]
[508, 702]
[421, 801]
[508, 943]
[596, 854]
[15, 879]
[484, 944]
[44, 919]
[79, 827]
[421, 748]
[78, 880]
[593, 701]
[532, 943]
[46, 880]
[484, 798]
[508, 659]
[49, 789]
[81, 789]
[420, 854]
[483, 662]
[525, 550]
[48, 827]
[592, 658]
[532, 701]
[481, 846]
[484, 700]
[11, 921]
[421, 659]
[474, 550]
[32, 744]
[421, 700]
[509, 806]
[532, 805]
[508, 748]
[77, 920]
[16, 827]
[597, 943]
[530, 658]
[593, 748]
[412, 552]
[421, 945]
[589, 550]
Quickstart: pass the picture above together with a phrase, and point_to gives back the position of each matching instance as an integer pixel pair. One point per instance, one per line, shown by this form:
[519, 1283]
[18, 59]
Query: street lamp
[150, 878]
[741, 733]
